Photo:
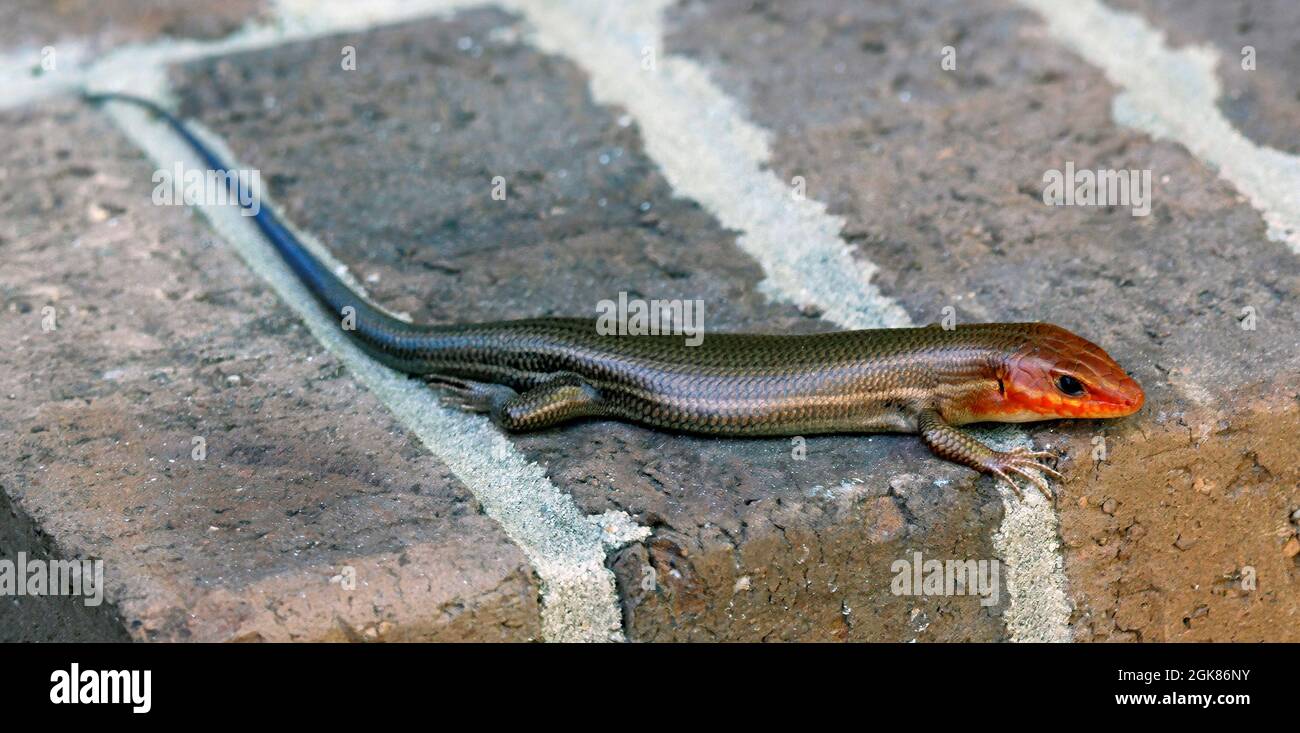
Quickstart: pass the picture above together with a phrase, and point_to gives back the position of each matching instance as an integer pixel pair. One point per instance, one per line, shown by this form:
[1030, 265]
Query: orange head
[1057, 374]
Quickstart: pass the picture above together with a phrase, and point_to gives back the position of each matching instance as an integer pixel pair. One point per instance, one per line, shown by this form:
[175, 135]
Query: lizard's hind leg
[559, 399]
[463, 394]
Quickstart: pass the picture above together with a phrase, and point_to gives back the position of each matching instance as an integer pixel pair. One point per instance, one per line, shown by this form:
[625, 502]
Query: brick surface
[1181, 530]
[939, 174]
[391, 166]
[92, 27]
[163, 335]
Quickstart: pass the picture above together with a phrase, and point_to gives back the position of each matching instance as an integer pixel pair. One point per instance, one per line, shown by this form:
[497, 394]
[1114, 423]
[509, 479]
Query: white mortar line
[291, 21]
[1172, 95]
[706, 149]
[1029, 543]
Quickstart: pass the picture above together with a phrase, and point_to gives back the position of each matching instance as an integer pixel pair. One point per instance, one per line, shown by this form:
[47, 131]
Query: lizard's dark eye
[1070, 386]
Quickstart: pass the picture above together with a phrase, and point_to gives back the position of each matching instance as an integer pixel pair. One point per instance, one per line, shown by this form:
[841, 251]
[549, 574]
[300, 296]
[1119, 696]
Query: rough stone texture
[87, 28]
[1182, 530]
[163, 335]
[939, 175]
[391, 166]
[1188, 539]
[1264, 102]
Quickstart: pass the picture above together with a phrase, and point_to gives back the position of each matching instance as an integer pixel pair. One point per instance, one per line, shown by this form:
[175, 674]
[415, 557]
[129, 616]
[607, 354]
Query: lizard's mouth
[1045, 405]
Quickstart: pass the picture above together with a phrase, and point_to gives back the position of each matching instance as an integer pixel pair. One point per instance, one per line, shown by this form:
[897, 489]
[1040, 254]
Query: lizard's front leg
[960, 447]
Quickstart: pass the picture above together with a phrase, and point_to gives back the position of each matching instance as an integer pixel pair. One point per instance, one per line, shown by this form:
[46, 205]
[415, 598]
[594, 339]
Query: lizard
[537, 373]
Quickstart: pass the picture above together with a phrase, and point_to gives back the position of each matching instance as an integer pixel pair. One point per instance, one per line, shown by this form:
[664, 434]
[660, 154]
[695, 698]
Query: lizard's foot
[1020, 461]
[462, 394]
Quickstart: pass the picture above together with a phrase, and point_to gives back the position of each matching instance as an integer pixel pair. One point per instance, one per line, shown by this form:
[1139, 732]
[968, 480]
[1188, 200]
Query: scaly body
[536, 373]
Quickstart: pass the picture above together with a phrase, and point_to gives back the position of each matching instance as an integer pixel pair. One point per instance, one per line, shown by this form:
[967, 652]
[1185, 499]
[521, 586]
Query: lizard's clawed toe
[1024, 462]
